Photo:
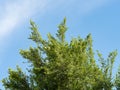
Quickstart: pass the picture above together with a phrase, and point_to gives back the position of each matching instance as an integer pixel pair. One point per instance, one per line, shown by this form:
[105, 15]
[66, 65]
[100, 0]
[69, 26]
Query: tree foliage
[56, 64]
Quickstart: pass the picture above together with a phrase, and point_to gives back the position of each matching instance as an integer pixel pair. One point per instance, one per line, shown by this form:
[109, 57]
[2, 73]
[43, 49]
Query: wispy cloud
[88, 6]
[13, 13]
[83, 6]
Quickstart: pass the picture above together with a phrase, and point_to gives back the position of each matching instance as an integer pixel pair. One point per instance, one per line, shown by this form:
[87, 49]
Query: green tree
[56, 64]
[117, 79]
[106, 67]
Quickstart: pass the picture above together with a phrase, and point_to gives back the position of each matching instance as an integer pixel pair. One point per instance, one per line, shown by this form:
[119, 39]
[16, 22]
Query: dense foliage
[56, 64]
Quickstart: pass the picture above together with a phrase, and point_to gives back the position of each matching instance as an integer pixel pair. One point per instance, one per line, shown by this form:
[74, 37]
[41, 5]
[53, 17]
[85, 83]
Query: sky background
[101, 18]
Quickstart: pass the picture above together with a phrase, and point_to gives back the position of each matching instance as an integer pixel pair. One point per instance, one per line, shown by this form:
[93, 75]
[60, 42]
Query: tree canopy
[56, 64]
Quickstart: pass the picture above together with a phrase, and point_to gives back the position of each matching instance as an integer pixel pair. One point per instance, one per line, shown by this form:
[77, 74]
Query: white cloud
[81, 6]
[13, 13]
[88, 6]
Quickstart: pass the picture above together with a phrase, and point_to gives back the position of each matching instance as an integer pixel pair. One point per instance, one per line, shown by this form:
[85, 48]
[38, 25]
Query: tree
[56, 64]
[117, 79]
[106, 67]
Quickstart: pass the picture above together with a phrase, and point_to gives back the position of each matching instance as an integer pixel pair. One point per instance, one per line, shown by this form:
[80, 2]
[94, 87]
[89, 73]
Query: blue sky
[101, 18]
